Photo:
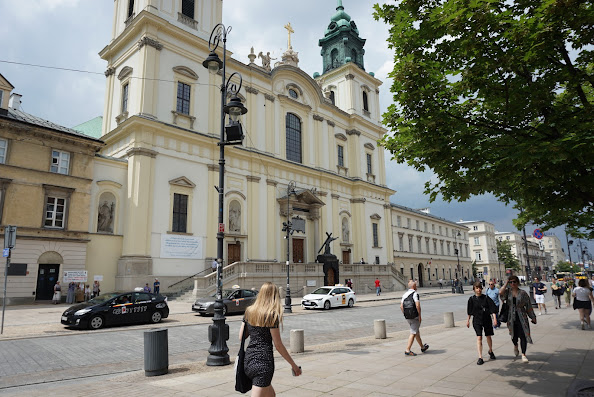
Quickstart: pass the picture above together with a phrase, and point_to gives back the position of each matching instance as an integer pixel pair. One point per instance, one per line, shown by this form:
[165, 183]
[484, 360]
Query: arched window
[293, 94]
[293, 129]
[365, 103]
[353, 56]
[334, 58]
[332, 97]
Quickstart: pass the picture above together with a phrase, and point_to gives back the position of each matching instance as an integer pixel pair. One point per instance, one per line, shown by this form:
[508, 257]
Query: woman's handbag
[243, 383]
[504, 312]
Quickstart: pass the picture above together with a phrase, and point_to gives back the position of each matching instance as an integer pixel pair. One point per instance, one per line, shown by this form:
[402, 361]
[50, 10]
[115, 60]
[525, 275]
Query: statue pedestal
[331, 272]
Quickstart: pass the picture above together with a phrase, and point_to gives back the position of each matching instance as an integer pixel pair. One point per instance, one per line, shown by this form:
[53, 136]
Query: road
[75, 354]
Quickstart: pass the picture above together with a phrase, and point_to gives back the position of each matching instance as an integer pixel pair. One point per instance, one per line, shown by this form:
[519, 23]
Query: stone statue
[326, 244]
[105, 217]
[266, 60]
[345, 231]
[235, 219]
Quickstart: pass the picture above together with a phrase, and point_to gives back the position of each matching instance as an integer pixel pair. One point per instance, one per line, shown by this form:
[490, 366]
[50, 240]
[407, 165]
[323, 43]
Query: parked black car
[235, 301]
[117, 308]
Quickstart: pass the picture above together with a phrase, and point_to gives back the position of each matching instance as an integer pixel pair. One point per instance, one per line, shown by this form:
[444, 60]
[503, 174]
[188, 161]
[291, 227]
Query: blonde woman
[262, 320]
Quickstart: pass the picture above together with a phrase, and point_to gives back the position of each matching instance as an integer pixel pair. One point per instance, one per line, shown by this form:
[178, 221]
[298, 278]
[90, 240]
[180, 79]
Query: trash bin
[156, 352]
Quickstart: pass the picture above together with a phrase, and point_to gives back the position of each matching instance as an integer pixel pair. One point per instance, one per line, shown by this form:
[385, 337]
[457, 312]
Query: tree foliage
[497, 96]
[563, 266]
[506, 256]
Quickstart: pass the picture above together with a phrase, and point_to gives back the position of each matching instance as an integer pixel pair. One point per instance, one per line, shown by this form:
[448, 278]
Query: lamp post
[457, 234]
[288, 227]
[232, 134]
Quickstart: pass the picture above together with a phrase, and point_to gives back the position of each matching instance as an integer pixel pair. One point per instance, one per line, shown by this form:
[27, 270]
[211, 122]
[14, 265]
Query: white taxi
[327, 297]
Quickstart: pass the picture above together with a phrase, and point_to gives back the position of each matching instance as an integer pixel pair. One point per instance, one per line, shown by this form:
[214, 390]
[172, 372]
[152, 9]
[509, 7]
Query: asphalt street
[76, 354]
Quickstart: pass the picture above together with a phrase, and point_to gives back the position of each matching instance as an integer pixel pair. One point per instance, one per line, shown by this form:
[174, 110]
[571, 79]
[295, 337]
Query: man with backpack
[411, 308]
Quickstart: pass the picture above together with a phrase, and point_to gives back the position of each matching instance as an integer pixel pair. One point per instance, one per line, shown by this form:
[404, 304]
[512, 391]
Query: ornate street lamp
[288, 227]
[232, 134]
[457, 234]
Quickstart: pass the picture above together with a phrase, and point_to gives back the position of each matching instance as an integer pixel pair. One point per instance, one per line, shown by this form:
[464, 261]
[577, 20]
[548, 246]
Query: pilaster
[272, 249]
[253, 218]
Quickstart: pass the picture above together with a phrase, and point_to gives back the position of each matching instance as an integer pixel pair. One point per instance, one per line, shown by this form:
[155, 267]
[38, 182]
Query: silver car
[234, 301]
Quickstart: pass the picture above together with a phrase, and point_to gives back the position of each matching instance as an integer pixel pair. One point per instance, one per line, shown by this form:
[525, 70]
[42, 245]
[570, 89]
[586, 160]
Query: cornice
[353, 132]
[271, 182]
[317, 117]
[150, 42]
[251, 178]
[140, 151]
[358, 200]
[369, 146]
[251, 90]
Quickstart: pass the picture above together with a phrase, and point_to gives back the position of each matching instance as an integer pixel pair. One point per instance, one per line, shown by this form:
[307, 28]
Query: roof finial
[340, 7]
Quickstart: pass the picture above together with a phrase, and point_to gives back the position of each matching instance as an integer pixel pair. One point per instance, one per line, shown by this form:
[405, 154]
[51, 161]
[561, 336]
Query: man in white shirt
[411, 308]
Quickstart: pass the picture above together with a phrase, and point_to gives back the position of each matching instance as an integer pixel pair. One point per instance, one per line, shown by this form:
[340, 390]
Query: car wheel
[327, 305]
[156, 317]
[351, 302]
[96, 322]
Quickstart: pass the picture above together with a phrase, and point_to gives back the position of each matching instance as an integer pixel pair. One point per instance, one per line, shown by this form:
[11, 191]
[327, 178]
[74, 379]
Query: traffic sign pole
[4, 297]
[9, 243]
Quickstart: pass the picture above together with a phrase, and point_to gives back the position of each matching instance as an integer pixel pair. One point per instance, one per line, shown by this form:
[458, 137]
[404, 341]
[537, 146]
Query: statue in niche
[105, 217]
[345, 231]
[234, 218]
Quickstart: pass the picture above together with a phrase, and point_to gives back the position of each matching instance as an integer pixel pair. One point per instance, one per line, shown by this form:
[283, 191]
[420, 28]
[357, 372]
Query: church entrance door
[298, 250]
[420, 275]
[346, 257]
[234, 252]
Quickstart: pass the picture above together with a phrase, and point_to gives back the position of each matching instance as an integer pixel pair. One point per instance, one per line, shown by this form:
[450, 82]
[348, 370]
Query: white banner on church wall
[78, 276]
[186, 247]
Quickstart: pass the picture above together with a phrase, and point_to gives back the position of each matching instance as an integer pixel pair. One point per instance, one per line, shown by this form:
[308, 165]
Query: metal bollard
[379, 329]
[156, 352]
[297, 341]
[448, 319]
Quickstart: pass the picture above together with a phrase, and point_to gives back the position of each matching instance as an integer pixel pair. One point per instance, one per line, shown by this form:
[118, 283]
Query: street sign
[221, 228]
[10, 236]
[537, 233]
[6, 252]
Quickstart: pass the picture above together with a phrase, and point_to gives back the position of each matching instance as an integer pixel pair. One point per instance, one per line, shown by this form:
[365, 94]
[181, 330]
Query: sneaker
[480, 361]
[583, 325]
[524, 358]
[540, 314]
[424, 348]
[492, 356]
[516, 351]
[410, 353]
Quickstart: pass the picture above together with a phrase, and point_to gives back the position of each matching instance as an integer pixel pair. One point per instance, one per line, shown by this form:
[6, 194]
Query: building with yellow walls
[46, 174]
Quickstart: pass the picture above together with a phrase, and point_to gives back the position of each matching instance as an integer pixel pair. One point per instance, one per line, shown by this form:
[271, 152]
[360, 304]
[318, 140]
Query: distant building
[483, 248]
[536, 256]
[551, 245]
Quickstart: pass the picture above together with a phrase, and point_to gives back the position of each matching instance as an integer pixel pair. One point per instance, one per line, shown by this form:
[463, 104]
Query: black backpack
[410, 308]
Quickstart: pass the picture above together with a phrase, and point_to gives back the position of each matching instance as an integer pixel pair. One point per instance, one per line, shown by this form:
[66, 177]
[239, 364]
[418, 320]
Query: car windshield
[322, 291]
[103, 298]
[225, 293]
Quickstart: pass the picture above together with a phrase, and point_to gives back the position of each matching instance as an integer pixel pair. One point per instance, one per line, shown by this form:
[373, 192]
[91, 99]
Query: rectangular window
[369, 169]
[401, 243]
[188, 8]
[408, 223]
[130, 8]
[433, 229]
[425, 226]
[399, 220]
[180, 213]
[427, 245]
[125, 98]
[55, 208]
[475, 228]
[417, 223]
[377, 260]
[477, 256]
[448, 244]
[441, 244]
[3, 147]
[435, 247]
[60, 162]
[410, 245]
[183, 98]
[375, 235]
[477, 241]
[340, 155]
[440, 231]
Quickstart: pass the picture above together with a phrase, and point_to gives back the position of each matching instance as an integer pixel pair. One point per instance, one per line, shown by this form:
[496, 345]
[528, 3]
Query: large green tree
[497, 96]
[563, 266]
[506, 256]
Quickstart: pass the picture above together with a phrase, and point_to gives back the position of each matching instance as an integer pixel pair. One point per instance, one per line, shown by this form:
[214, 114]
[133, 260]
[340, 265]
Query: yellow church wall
[103, 252]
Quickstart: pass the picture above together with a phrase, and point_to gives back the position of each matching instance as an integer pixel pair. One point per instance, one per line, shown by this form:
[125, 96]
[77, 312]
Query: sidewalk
[560, 354]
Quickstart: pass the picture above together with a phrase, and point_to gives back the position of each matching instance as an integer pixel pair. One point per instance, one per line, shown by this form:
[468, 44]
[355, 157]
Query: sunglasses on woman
[513, 282]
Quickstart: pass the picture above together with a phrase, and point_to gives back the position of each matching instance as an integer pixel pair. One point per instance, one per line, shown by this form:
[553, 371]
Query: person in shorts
[482, 309]
[539, 290]
[414, 323]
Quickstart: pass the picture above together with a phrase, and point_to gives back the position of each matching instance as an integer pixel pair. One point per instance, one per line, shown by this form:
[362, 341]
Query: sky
[70, 33]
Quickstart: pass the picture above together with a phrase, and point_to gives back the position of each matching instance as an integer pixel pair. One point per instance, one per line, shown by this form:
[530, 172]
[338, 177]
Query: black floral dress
[259, 358]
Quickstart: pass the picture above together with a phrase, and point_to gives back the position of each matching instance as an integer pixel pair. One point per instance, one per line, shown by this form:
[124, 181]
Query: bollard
[297, 342]
[379, 329]
[156, 352]
[448, 319]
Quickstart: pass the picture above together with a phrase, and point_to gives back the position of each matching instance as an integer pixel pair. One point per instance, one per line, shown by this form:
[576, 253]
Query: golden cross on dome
[289, 31]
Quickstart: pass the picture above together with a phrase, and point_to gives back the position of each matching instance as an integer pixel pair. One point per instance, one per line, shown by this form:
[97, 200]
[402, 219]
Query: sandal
[424, 348]
[409, 353]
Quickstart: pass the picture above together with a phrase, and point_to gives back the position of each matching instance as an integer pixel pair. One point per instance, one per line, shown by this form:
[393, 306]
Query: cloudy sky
[70, 33]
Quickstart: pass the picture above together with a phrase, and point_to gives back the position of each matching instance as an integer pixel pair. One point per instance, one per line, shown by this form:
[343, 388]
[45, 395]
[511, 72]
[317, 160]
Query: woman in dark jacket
[519, 309]
[482, 309]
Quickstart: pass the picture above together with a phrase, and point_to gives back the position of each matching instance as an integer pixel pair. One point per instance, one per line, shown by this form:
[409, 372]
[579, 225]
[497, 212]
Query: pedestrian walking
[410, 306]
[87, 292]
[441, 283]
[96, 288]
[262, 320]
[482, 309]
[519, 309]
[539, 289]
[156, 286]
[214, 265]
[57, 293]
[378, 287]
[582, 300]
[493, 293]
[558, 291]
[147, 288]
[71, 292]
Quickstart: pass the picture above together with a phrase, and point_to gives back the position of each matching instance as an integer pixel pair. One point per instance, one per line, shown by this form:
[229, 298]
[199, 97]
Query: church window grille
[293, 130]
[180, 213]
[188, 8]
[365, 102]
[369, 169]
[183, 98]
[340, 155]
[130, 8]
[375, 235]
[125, 98]
[293, 94]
